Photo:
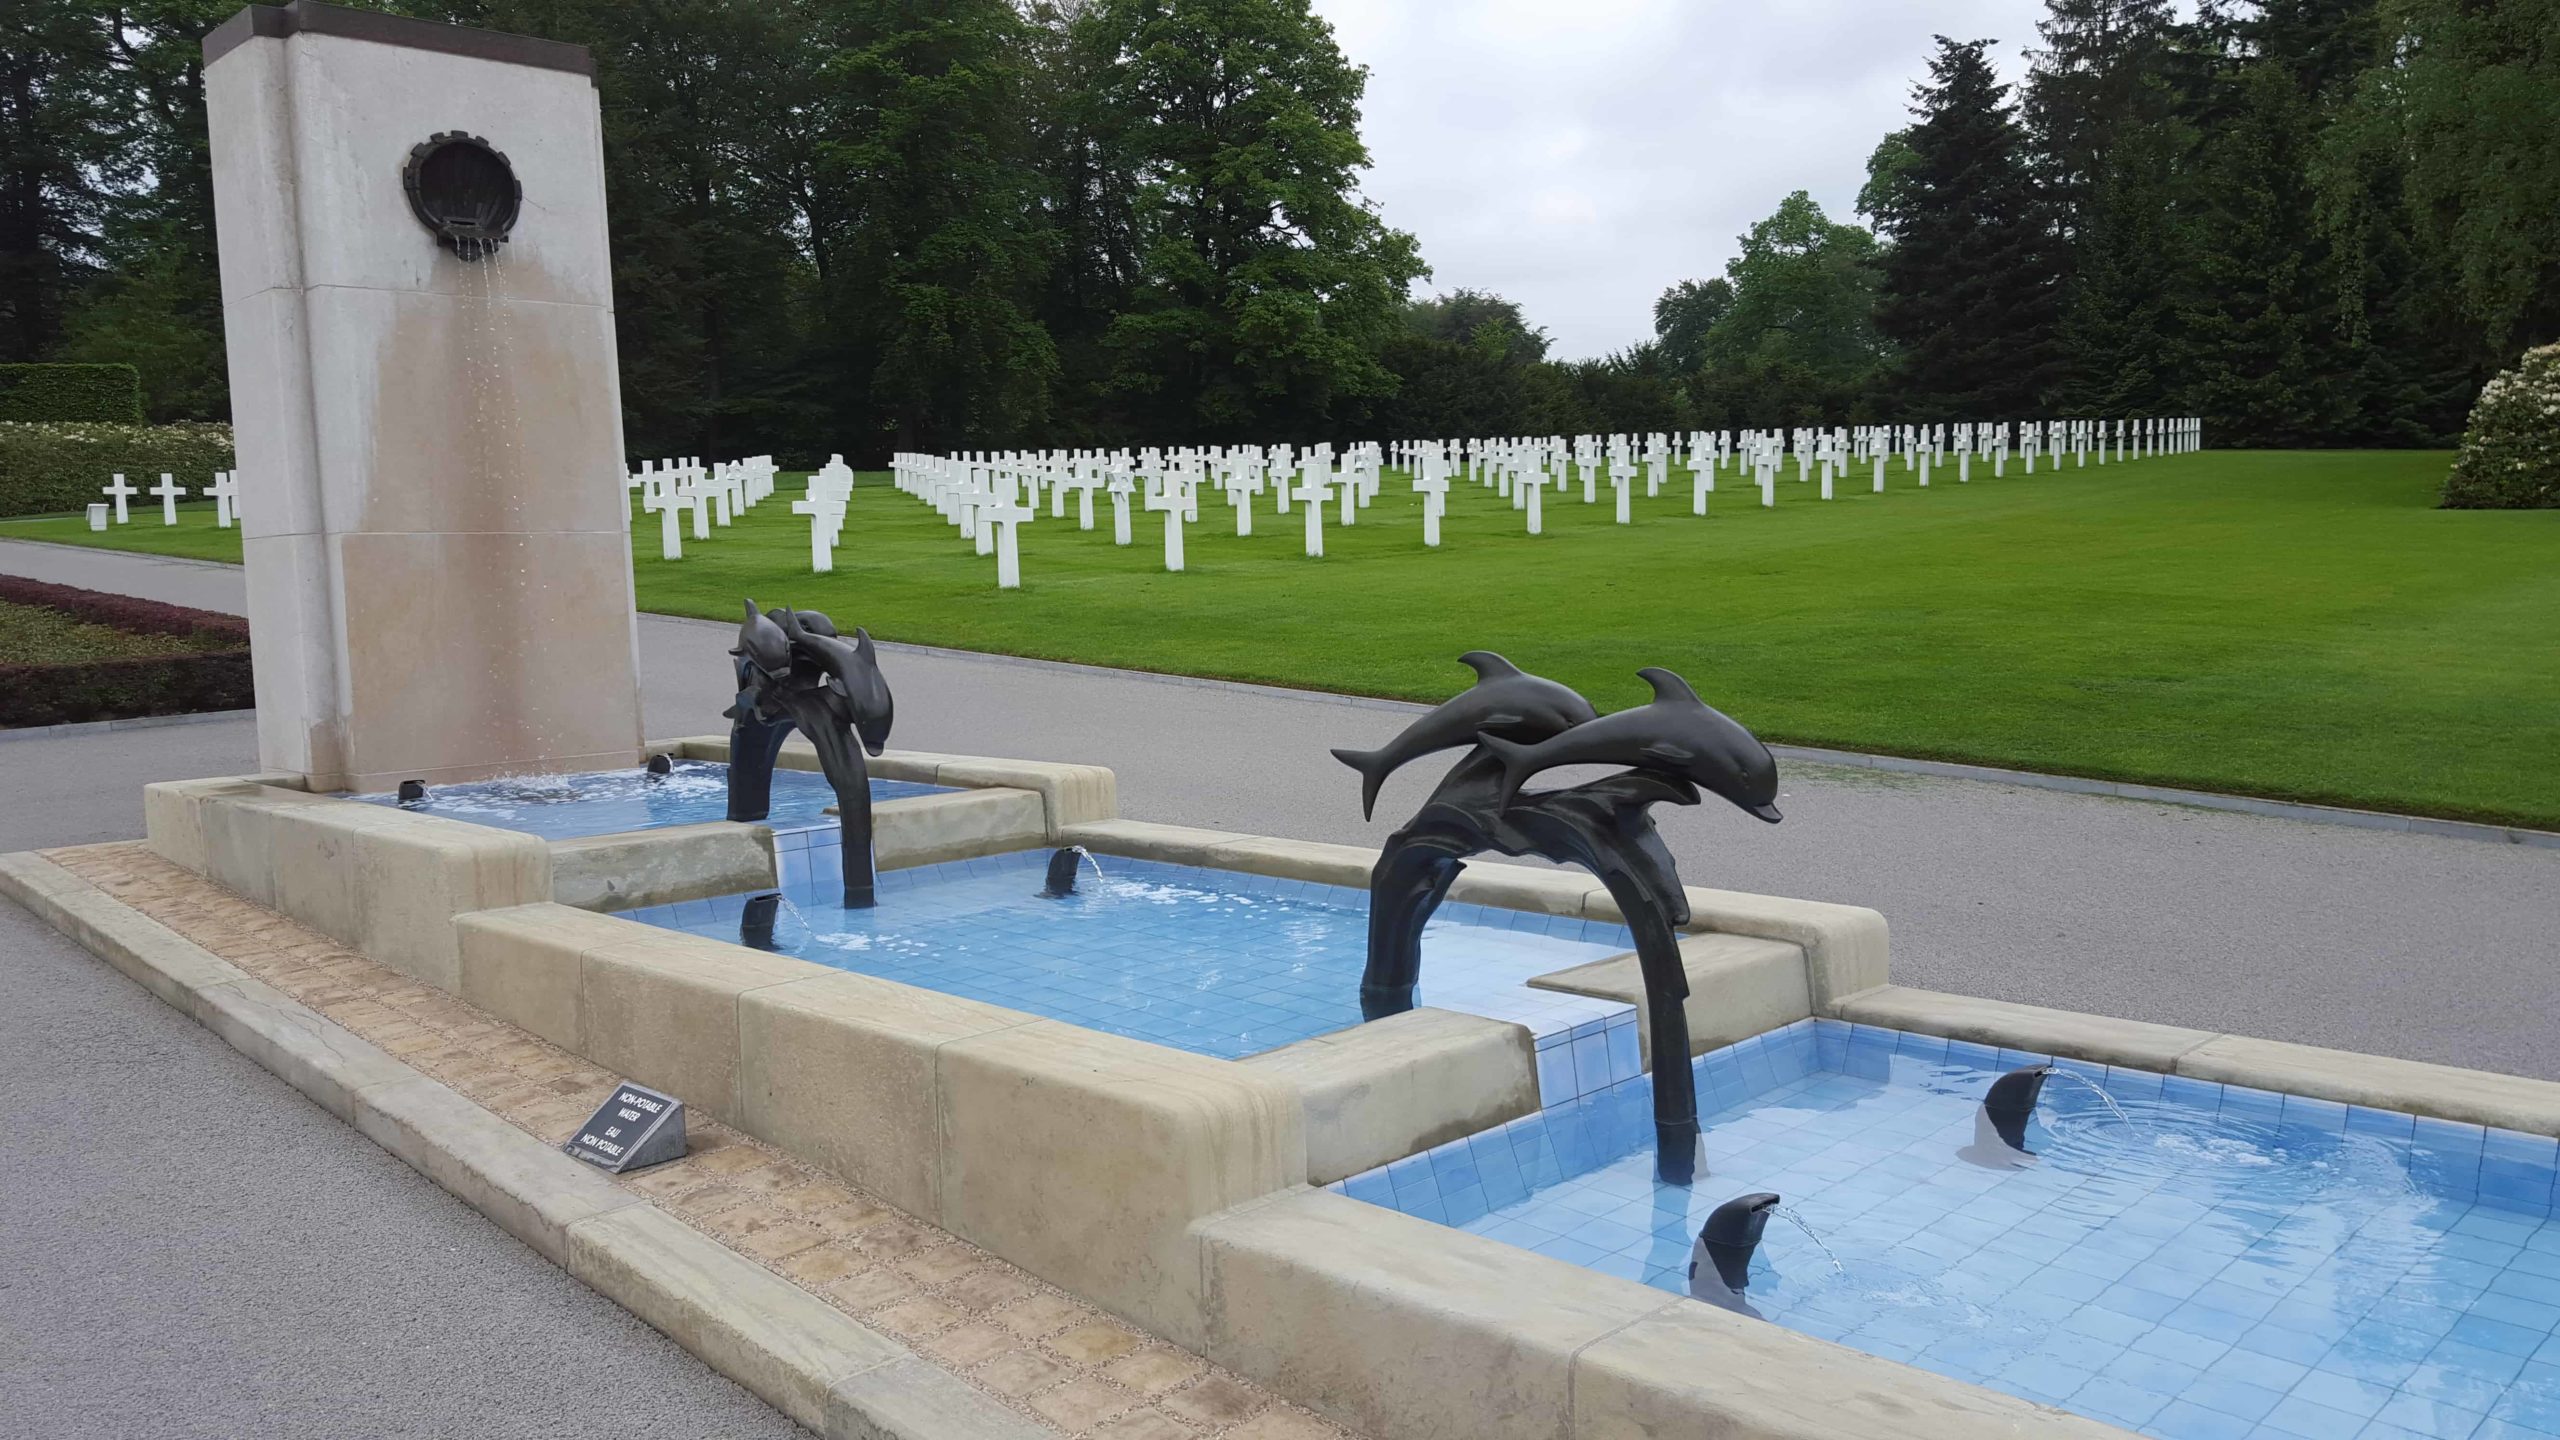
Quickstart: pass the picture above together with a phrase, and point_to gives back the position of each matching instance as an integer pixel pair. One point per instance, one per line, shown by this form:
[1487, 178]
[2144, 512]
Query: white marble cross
[225, 491]
[1003, 516]
[1311, 495]
[1435, 494]
[824, 517]
[1176, 504]
[168, 490]
[1121, 485]
[118, 493]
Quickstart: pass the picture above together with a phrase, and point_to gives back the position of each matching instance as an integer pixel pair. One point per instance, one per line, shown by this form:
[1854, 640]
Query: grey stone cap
[310, 17]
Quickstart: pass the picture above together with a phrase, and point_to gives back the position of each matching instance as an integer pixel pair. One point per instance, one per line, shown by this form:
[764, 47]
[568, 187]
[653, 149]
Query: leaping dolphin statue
[853, 670]
[1505, 701]
[1678, 734]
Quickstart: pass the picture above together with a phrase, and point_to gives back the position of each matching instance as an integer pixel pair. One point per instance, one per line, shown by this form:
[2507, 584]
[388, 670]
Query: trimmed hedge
[111, 394]
[177, 684]
[2510, 456]
[50, 468]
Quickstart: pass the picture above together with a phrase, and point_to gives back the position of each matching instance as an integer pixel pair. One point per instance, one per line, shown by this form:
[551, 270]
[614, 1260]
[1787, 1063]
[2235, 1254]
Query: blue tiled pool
[608, 802]
[2229, 1264]
[1216, 962]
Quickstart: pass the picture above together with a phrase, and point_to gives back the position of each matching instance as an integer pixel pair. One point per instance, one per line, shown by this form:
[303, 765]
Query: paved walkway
[2419, 946]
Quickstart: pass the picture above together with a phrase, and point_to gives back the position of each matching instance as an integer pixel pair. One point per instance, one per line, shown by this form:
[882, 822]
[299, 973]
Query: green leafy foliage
[110, 393]
[1265, 286]
[55, 467]
[2510, 456]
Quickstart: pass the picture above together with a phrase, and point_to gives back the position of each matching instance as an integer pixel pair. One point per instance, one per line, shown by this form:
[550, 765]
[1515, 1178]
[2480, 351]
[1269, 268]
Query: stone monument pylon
[418, 307]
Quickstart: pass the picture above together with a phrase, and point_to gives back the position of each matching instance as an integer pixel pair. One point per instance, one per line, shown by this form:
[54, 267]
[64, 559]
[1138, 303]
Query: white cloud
[1580, 158]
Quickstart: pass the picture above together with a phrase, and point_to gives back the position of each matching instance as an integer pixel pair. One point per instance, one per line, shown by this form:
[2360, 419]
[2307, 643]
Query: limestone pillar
[429, 431]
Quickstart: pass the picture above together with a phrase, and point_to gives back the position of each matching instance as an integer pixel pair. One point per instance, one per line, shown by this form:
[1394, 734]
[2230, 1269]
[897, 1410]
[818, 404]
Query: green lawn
[2302, 625]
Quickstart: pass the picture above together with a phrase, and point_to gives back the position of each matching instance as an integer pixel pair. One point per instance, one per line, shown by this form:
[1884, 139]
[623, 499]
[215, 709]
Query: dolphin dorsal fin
[1487, 665]
[862, 643]
[1667, 686]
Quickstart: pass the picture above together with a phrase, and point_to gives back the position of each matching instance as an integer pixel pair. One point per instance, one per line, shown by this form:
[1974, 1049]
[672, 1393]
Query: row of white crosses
[713, 495]
[987, 496]
[224, 491]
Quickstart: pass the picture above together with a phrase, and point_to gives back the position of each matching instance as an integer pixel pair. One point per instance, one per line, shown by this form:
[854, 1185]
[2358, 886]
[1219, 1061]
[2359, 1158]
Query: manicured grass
[195, 536]
[2302, 625]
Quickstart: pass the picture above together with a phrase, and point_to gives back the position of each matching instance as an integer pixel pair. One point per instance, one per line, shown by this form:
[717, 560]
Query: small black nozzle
[2011, 1100]
[1062, 873]
[412, 791]
[662, 765]
[1732, 1232]
[755, 923]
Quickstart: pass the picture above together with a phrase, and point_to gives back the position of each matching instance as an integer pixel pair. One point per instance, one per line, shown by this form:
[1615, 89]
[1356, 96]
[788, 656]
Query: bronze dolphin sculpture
[1678, 734]
[1505, 701]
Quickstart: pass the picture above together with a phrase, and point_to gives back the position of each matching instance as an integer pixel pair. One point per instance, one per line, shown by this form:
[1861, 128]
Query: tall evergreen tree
[63, 134]
[2105, 104]
[1971, 289]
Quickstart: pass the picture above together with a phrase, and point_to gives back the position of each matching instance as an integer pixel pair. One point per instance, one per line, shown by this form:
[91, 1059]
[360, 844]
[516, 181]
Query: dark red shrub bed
[206, 668]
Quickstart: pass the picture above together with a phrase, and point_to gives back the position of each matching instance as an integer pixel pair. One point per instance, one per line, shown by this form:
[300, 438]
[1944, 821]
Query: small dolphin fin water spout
[1505, 700]
[2000, 1125]
[1720, 1262]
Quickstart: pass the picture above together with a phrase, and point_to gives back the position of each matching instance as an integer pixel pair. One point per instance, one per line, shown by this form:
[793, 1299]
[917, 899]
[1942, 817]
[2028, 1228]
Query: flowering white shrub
[58, 465]
[2510, 456]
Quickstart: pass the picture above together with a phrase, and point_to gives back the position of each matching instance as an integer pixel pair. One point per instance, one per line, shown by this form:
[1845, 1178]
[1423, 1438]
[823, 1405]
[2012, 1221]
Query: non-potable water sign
[634, 1128]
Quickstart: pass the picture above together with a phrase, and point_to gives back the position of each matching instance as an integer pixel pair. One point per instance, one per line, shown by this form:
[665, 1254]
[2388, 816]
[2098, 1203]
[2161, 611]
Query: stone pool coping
[2439, 1092]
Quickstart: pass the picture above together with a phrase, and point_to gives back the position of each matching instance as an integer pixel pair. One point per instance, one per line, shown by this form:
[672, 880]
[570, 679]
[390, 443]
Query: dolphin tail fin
[1667, 686]
[1373, 766]
[1517, 767]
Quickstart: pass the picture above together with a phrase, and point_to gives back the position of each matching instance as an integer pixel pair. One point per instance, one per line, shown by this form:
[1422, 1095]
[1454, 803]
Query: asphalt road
[190, 1248]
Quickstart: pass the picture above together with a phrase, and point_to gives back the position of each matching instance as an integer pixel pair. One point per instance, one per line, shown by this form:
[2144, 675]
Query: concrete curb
[2169, 795]
[137, 722]
[822, 1368]
[191, 562]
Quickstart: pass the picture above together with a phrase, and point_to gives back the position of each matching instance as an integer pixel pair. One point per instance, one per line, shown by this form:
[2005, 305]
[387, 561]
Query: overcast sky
[1581, 157]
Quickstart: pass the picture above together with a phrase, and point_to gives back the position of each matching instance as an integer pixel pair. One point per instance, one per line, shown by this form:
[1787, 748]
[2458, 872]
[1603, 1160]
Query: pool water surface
[1215, 962]
[609, 802]
[2220, 1264]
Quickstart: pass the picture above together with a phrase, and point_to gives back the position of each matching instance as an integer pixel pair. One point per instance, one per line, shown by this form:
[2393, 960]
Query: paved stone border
[133, 722]
[2168, 795]
[755, 1263]
[191, 562]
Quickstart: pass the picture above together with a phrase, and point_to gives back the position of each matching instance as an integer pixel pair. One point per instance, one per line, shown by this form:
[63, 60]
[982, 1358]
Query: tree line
[870, 225]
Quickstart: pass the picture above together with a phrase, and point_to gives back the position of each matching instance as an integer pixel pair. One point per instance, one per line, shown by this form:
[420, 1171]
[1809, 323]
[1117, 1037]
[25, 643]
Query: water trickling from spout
[1788, 1214]
[2094, 1088]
